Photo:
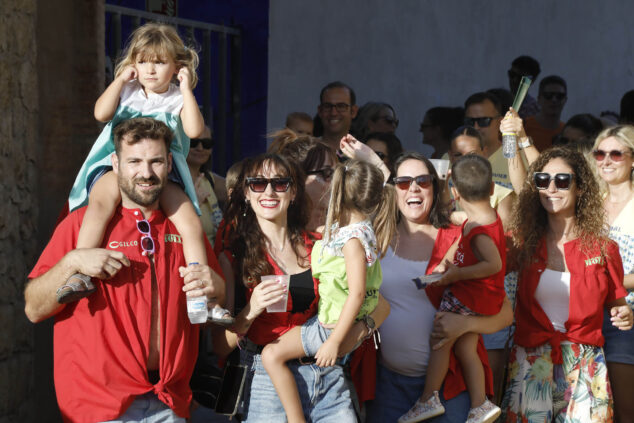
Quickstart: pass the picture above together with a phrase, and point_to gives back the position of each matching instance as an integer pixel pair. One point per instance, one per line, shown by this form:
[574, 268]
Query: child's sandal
[76, 287]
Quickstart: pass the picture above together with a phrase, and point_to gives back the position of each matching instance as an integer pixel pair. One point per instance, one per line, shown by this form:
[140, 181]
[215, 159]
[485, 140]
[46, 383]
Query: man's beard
[144, 199]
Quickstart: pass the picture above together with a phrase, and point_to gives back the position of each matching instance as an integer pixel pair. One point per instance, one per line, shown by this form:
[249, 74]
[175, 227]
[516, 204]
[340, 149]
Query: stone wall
[18, 204]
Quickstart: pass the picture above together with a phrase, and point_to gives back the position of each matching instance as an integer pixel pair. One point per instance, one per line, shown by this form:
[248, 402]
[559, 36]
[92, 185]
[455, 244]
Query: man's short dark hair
[552, 80]
[528, 65]
[137, 129]
[338, 84]
[481, 97]
[472, 176]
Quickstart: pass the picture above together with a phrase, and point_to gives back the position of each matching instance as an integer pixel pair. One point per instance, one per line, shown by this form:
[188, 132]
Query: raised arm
[193, 122]
[357, 150]
[107, 103]
[39, 294]
[517, 170]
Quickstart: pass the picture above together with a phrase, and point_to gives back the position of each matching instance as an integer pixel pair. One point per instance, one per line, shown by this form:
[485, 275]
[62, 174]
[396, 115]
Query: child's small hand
[441, 268]
[357, 150]
[184, 78]
[452, 274]
[327, 354]
[622, 317]
[128, 74]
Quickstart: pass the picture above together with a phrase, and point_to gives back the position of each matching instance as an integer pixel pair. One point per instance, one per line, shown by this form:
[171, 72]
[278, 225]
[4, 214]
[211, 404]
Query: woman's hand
[327, 354]
[447, 326]
[264, 294]
[512, 123]
[622, 317]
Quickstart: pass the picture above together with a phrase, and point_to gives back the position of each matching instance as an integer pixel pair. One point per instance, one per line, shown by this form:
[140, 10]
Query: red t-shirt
[542, 137]
[485, 295]
[101, 342]
[594, 281]
[454, 381]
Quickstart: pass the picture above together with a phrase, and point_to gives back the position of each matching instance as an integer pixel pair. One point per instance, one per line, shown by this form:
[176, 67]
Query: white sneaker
[486, 413]
[423, 410]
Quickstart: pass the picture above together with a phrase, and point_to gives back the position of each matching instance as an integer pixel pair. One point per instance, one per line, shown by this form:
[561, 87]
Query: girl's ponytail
[384, 221]
[335, 205]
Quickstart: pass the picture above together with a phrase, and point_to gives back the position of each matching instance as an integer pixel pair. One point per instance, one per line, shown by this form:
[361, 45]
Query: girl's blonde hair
[359, 186]
[156, 40]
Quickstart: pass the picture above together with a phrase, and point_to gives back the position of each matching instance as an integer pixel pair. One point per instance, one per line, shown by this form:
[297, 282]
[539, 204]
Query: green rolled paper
[525, 84]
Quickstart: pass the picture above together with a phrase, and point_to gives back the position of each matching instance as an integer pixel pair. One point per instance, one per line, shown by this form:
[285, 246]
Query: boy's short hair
[472, 176]
[298, 116]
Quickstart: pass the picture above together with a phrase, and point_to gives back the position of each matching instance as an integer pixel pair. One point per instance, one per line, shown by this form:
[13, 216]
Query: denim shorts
[324, 392]
[396, 393]
[147, 408]
[619, 344]
[497, 340]
[313, 336]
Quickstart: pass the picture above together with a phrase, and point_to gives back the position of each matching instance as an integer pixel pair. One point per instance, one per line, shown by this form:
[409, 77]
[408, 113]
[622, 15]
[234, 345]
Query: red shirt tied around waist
[101, 342]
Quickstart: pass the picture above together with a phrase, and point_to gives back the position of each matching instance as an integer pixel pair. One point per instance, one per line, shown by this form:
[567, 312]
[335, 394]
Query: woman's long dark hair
[247, 241]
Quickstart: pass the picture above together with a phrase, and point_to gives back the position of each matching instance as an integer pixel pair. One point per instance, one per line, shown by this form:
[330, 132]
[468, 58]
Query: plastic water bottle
[197, 308]
[509, 144]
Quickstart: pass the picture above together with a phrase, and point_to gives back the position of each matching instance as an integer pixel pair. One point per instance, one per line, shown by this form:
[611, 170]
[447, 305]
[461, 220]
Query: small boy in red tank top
[473, 272]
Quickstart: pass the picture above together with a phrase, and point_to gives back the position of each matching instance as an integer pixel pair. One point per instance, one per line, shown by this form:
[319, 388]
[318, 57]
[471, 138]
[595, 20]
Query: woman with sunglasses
[373, 116]
[387, 146]
[569, 272]
[269, 203]
[612, 153]
[424, 235]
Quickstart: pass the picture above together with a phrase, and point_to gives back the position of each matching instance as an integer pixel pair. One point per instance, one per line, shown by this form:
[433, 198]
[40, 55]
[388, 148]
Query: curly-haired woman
[569, 272]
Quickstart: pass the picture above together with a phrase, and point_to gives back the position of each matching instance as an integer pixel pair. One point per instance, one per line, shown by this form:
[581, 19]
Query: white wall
[417, 54]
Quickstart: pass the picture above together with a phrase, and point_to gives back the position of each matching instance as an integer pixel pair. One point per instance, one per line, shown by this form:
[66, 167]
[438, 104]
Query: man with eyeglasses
[547, 123]
[128, 351]
[524, 66]
[484, 112]
[337, 107]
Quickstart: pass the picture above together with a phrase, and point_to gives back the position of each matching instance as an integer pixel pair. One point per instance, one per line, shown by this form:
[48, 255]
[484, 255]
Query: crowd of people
[502, 288]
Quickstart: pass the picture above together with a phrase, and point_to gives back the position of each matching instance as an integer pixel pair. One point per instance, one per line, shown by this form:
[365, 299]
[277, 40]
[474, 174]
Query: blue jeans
[147, 408]
[324, 393]
[396, 393]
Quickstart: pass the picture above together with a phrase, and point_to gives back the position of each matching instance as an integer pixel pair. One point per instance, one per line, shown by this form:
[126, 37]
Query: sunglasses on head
[554, 96]
[614, 155]
[388, 119]
[260, 184]
[562, 180]
[405, 182]
[483, 122]
[325, 173]
[206, 142]
[147, 243]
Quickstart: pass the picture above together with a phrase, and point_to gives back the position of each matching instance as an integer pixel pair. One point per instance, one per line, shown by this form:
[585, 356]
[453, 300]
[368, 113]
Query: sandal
[76, 287]
[220, 316]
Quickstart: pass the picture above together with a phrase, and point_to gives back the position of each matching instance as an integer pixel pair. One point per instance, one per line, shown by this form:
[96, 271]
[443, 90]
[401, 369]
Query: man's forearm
[39, 294]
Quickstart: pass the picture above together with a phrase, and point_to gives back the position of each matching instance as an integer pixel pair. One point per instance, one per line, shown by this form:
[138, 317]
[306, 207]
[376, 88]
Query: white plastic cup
[279, 306]
[441, 166]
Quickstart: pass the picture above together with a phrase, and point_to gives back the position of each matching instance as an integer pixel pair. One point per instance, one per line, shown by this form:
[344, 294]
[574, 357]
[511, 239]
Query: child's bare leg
[467, 353]
[103, 201]
[176, 205]
[274, 358]
[436, 370]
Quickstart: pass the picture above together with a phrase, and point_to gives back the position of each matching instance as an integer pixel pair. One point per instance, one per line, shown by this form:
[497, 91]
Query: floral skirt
[576, 391]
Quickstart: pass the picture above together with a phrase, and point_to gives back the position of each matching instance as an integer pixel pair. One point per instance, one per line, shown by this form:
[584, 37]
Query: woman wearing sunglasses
[424, 235]
[569, 272]
[614, 164]
[270, 205]
[374, 116]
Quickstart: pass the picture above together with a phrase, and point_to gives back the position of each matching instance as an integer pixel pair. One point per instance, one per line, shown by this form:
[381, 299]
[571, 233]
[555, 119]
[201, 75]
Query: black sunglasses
[207, 143]
[388, 119]
[341, 107]
[405, 182]
[562, 180]
[614, 155]
[554, 96]
[325, 173]
[260, 184]
[483, 122]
